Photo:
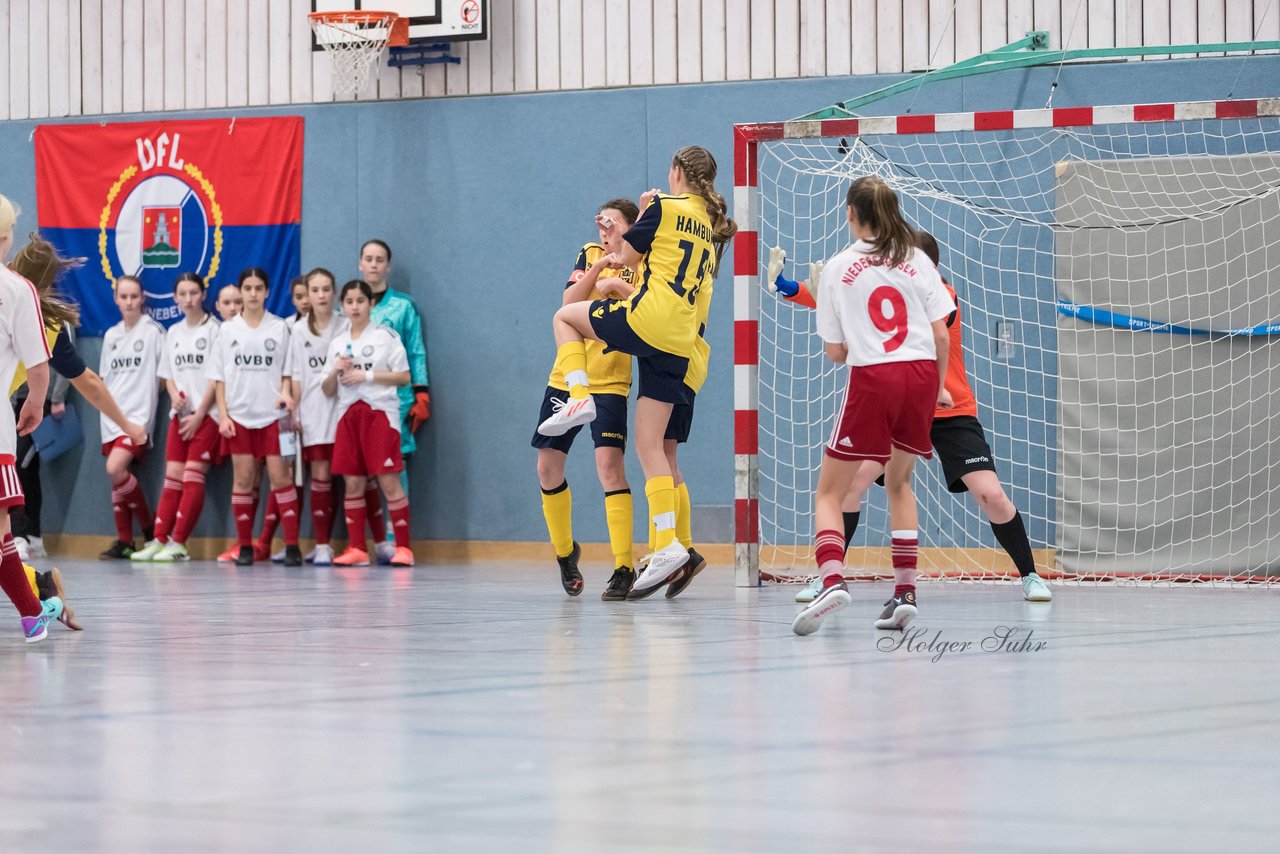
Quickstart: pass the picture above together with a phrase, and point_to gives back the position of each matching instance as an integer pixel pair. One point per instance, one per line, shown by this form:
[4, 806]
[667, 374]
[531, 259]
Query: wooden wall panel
[90, 57]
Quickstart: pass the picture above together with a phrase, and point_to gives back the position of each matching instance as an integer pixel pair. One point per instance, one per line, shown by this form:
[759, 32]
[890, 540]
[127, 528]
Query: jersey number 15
[678, 285]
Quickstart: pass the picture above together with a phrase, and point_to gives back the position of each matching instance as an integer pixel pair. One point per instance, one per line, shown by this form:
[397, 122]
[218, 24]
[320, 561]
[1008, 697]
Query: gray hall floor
[476, 709]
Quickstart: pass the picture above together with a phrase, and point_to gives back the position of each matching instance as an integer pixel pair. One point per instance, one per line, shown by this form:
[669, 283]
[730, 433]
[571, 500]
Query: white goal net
[1119, 282]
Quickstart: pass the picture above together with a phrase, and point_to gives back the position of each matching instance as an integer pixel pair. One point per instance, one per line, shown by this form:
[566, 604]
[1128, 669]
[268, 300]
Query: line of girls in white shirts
[259, 389]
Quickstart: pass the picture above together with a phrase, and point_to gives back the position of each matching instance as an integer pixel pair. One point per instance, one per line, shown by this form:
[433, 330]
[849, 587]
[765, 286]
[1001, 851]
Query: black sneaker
[830, 600]
[570, 578]
[292, 556]
[684, 576]
[898, 611]
[119, 550]
[619, 584]
[245, 558]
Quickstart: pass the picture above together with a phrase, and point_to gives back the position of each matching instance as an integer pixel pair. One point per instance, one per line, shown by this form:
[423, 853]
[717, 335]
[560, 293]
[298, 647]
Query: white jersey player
[248, 366]
[368, 363]
[22, 340]
[129, 366]
[317, 413]
[193, 443]
[882, 310]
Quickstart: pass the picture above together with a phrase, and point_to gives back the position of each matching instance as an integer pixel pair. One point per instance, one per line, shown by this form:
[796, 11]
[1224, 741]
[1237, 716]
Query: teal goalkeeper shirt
[397, 311]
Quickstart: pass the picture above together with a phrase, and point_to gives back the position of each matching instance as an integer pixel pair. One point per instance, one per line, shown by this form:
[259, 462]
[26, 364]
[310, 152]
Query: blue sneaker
[1035, 590]
[810, 591]
[36, 628]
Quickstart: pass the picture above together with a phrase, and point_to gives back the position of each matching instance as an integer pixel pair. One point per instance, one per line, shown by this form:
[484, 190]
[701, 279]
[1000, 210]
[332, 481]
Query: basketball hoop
[355, 40]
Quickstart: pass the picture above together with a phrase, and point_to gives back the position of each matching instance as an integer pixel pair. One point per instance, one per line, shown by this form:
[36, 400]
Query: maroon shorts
[10, 486]
[885, 407]
[260, 443]
[366, 443]
[123, 442]
[318, 453]
[205, 446]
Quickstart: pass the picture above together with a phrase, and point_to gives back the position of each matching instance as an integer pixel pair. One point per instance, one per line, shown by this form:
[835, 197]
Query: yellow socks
[571, 360]
[618, 513]
[684, 516]
[661, 492]
[557, 507]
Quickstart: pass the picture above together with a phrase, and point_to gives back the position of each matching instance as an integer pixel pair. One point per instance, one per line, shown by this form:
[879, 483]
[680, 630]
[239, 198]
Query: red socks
[373, 510]
[170, 497]
[13, 579]
[829, 553]
[322, 510]
[190, 507]
[128, 501]
[270, 520]
[905, 547]
[399, 511]
[244, 507]
[354, 513]
[287, 506]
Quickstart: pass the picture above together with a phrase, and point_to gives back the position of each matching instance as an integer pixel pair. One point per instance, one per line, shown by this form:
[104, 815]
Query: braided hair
[699, 169]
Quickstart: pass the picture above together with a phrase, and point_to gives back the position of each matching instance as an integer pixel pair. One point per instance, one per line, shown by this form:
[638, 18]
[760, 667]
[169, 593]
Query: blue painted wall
[485, 202]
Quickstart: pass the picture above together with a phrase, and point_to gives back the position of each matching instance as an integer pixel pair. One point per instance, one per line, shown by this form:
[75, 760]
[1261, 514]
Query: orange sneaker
[352, 557]
[230, 554]
[402, 557]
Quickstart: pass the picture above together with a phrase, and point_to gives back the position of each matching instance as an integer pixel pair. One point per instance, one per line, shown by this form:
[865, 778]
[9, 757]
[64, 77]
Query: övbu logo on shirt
[367, 351]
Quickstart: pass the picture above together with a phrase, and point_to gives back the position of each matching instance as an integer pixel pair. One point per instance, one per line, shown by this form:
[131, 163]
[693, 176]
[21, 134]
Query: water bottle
[288, 438]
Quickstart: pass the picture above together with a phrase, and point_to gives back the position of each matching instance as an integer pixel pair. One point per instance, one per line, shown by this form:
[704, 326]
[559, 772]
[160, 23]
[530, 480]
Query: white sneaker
[321, 556]
[662, 566]
[310, 557]
[1035, 590]
[573, 413]
[384, 551]
[24, 549]
[830, 600]
[35, 547]
[810, 591]
[147, 552]
[278, 557]
[171, 552]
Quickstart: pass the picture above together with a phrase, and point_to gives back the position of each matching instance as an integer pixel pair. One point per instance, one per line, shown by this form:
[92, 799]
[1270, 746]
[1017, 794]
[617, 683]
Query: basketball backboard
[429, 20]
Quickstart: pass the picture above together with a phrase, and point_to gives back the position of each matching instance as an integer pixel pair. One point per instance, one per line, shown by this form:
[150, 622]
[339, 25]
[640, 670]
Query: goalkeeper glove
[773, 274]
[815, 277]
[421, 409]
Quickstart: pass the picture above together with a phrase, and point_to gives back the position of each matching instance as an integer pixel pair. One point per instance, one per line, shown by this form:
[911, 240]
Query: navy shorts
[609, 430]
[661, 373]
[681, 421]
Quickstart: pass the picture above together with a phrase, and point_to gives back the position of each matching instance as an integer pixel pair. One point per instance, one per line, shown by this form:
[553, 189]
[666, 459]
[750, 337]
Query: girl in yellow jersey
[675, 246]
[610, 377]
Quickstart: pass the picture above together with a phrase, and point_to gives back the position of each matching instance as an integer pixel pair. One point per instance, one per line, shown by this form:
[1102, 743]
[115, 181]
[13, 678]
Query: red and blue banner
[156, 199]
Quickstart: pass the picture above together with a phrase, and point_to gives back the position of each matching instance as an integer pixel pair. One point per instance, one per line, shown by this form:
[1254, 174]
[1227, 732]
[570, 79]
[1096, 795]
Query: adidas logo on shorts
[205, 455]
[388, 462]
[845, 443]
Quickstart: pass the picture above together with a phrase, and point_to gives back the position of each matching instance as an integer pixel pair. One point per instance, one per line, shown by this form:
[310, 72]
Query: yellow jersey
[674, 237]
[20, 374]
[608, 373]
[697, 373]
